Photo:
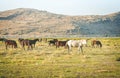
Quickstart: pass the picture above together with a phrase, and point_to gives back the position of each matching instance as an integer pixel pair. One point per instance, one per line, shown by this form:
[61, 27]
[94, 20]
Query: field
[48, 62]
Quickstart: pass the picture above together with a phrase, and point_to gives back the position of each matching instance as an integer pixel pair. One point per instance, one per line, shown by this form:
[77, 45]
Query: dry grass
[48, 62]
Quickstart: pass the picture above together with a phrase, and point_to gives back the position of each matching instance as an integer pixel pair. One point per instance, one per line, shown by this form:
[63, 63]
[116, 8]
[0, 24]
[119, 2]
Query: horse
[52, 42]
[60, 43]
[27, 42]
[33, 42]
[76, 43]
[10, 43]
[24, 42]
[97, 43]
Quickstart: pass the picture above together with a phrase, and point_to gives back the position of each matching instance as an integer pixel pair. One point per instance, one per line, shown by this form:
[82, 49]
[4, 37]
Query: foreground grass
[48, 62]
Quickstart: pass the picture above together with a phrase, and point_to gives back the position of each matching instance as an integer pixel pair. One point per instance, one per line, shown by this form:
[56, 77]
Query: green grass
[48, 62]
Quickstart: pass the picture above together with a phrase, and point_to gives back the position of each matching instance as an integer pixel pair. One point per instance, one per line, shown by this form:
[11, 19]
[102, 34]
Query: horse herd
[68, 43]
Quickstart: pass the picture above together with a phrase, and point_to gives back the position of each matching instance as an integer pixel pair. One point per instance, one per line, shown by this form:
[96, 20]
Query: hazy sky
[67, 7]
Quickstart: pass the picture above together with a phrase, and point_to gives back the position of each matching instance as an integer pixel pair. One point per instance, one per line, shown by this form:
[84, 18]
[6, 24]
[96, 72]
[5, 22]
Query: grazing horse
[76, 43]
[10, 43]
[26, 42]
[33, 42]
[52, 42]
[60, 43]
[97, 43]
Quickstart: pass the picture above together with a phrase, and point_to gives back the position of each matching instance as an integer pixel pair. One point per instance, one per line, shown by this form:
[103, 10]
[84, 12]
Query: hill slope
[24, 21]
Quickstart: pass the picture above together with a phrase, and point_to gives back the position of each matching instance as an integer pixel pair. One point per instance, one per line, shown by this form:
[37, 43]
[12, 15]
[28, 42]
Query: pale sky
[66, 7]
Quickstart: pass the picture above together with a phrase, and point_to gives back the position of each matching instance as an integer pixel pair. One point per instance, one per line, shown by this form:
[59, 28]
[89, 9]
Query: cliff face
[24, 21]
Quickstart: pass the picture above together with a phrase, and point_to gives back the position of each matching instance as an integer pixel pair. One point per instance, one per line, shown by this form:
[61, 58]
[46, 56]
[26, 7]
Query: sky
[66, 7]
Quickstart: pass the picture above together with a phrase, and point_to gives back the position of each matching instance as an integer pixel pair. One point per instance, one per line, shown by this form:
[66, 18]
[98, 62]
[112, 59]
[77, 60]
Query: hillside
[24, 21]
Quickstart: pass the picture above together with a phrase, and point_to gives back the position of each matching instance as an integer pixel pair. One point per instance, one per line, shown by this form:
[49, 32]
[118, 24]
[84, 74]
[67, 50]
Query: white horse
[76, 43]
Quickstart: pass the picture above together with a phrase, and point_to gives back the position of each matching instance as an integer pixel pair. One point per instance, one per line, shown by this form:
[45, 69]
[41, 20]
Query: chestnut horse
[60, 43]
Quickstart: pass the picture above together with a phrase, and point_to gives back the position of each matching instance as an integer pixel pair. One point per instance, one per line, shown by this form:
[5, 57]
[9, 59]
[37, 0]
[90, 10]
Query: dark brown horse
[97, 43]
[60, 43]
[26, 42]
[33, 42]
[10, 43]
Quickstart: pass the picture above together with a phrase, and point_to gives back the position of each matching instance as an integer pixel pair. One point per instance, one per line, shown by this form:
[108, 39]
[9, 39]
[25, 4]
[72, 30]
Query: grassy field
[48, 62]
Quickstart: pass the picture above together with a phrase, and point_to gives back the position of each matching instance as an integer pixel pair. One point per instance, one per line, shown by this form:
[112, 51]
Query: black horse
[10, 43]
[52, 42]
[33, 42]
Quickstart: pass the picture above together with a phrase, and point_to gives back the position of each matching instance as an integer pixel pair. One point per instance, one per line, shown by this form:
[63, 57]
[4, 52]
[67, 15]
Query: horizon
[57, 13]
[66, 7]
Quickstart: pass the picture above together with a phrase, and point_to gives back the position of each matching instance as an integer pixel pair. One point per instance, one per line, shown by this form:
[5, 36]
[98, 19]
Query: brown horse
[26, 42]
[60, 43]
[10, 43]
[97, 43]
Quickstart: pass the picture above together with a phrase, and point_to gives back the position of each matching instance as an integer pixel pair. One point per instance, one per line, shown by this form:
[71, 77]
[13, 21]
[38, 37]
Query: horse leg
[28, 47]
[56, 46]
[80, 48]
[12, 46]
[69, 49]
[31, 47]
[23, 46]
[6, 46]
[34, 45]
